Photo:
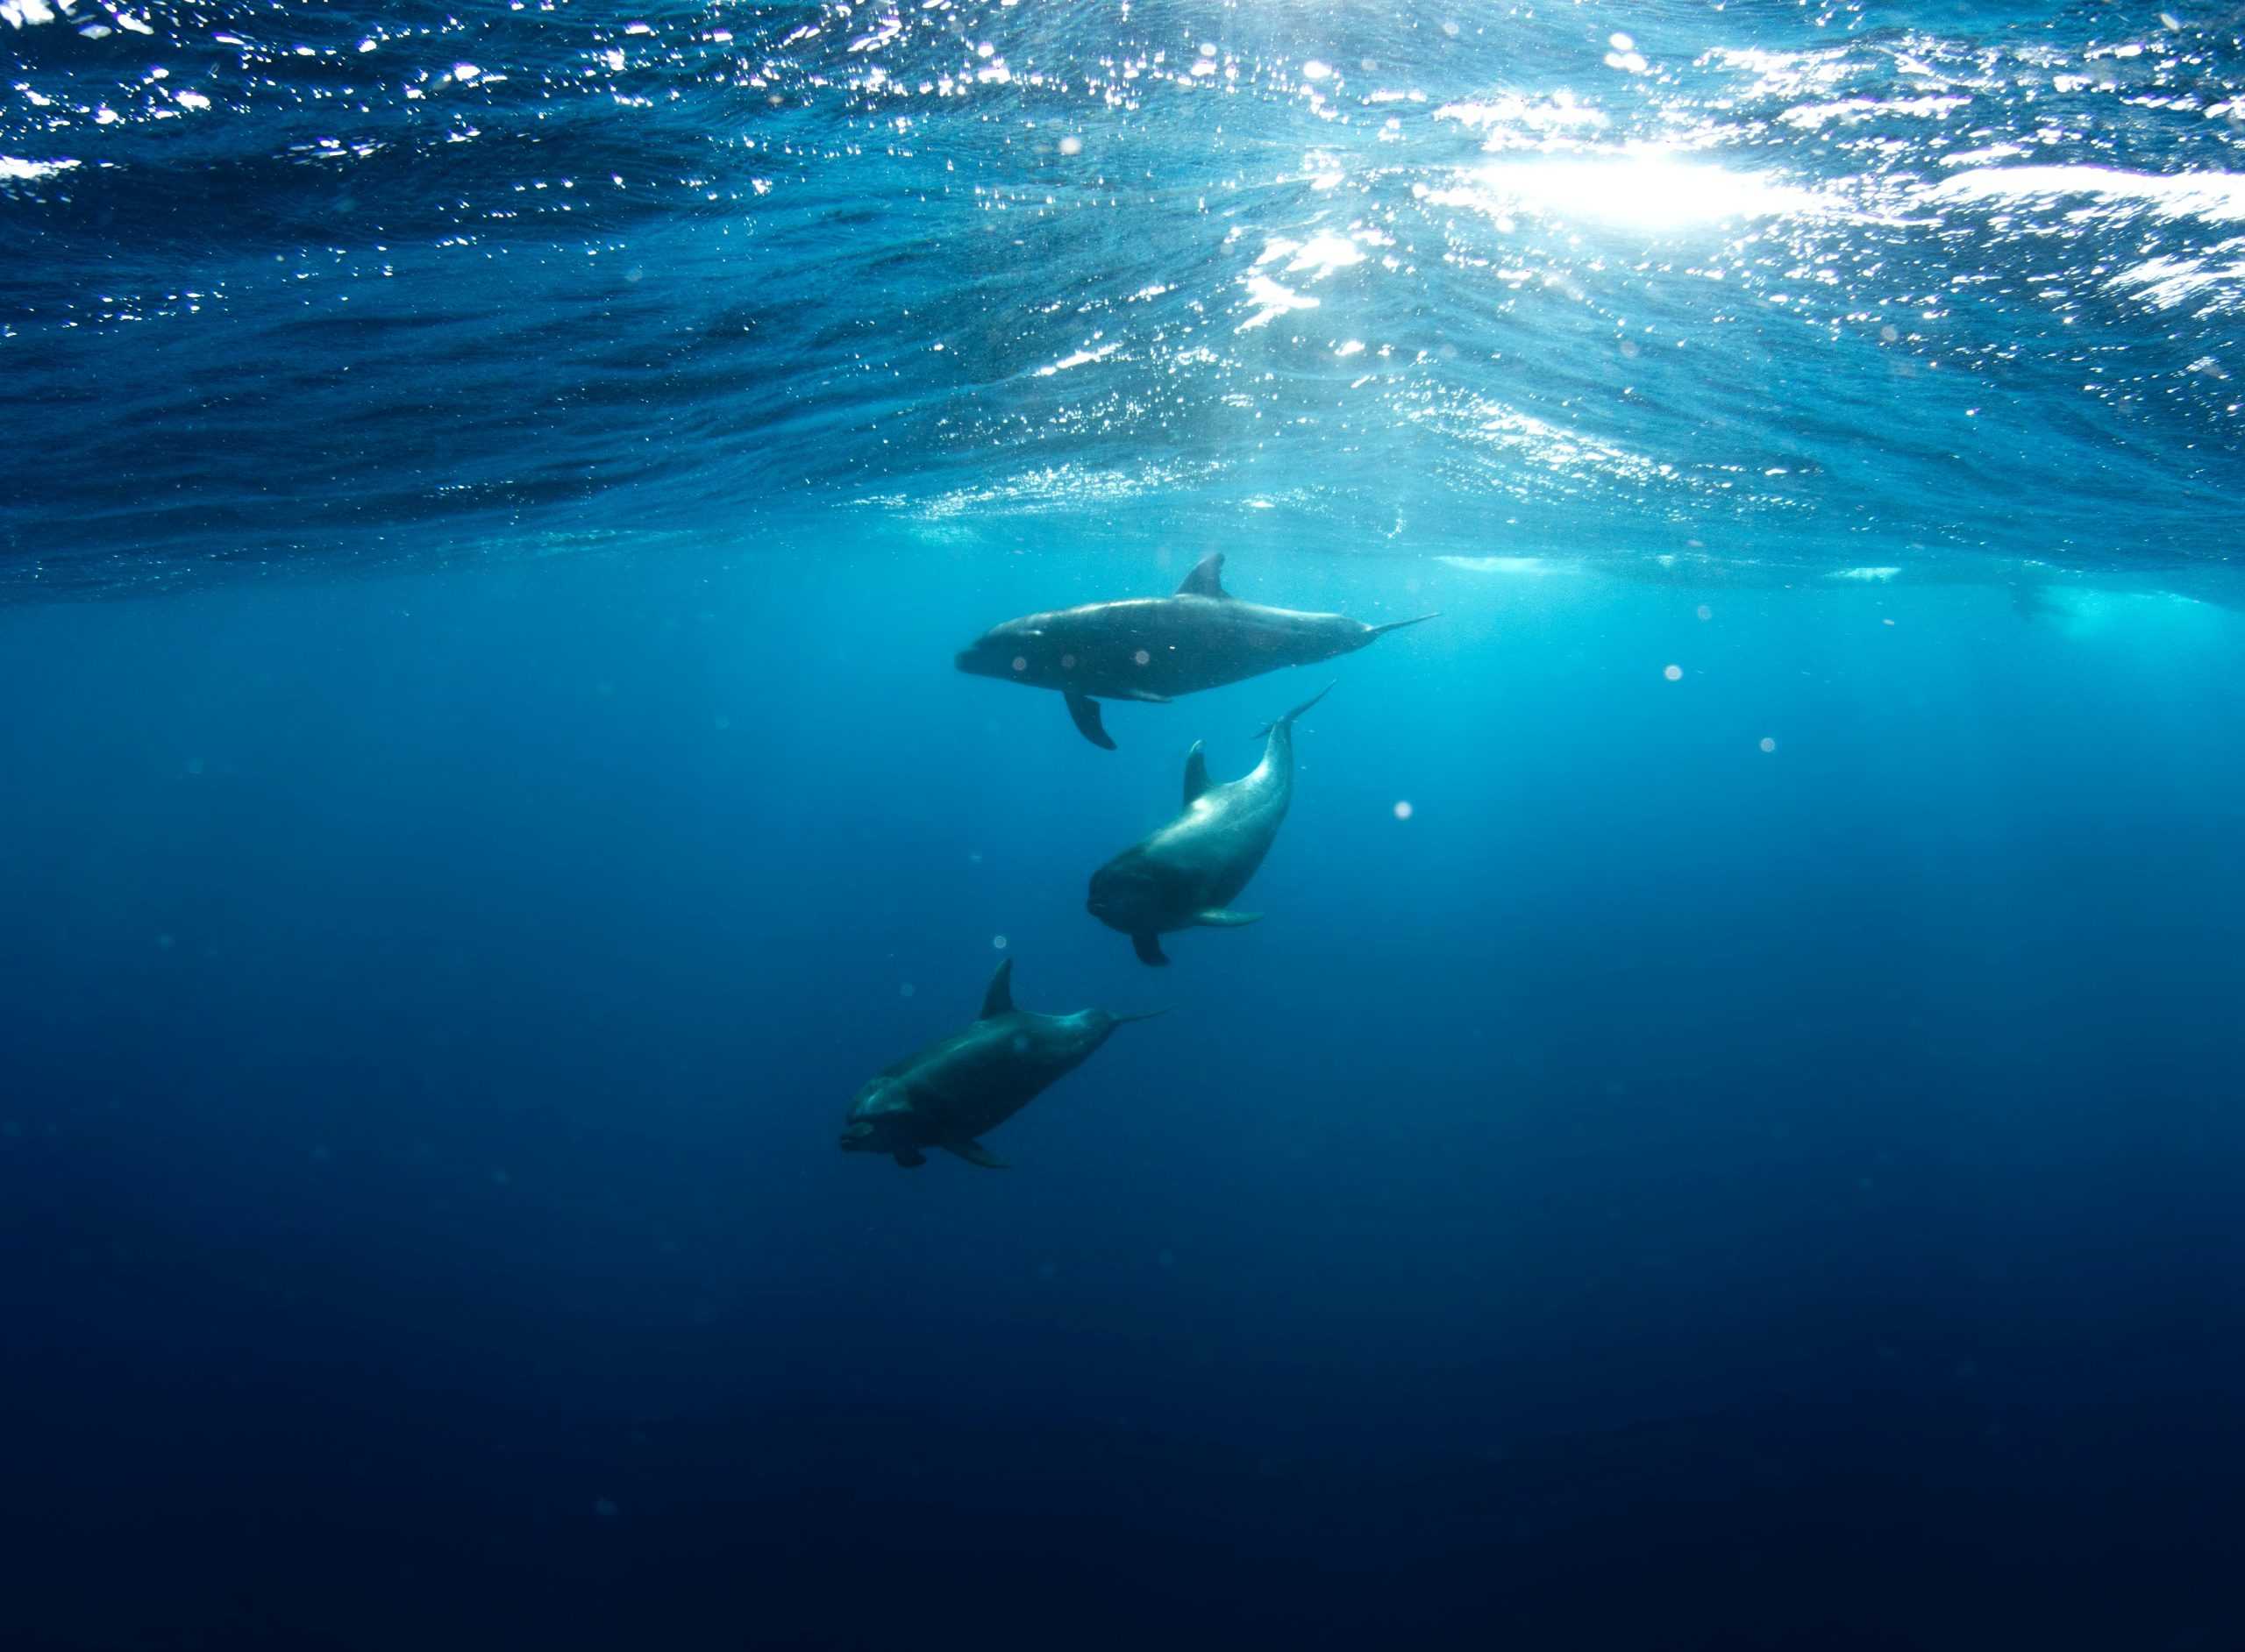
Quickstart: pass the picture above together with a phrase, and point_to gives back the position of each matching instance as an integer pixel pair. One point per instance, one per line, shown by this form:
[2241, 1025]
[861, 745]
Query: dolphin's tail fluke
[1397, 625]
[1287, 722]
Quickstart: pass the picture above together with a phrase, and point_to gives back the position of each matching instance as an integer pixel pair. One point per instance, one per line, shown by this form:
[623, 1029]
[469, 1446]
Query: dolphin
[959, 1087]
[1152, 648]
[1187, 873]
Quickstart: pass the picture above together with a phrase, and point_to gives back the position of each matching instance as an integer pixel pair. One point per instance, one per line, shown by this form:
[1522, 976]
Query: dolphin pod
[1187, 874]
[1153, 648]
[1183, 876]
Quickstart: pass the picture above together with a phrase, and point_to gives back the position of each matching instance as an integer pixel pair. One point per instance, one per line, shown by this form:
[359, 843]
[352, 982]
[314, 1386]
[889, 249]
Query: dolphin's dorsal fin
[1207, 578]
[1196, 774]
[974, 1153]
[999, 1000]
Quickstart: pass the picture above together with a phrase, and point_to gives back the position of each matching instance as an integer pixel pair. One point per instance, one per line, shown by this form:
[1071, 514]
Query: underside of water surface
[1804, 285]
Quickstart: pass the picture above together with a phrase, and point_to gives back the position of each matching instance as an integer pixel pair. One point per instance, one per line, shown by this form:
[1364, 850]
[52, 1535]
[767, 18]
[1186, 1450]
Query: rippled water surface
[1811, 284]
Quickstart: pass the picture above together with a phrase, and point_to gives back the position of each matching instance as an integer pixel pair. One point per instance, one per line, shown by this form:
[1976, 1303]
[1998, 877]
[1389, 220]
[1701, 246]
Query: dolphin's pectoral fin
[911, 1158]
[1207, 578]
[1148, 947]
[974, 1153]
[1084, 710]
[1196, 774]
[1224, 918]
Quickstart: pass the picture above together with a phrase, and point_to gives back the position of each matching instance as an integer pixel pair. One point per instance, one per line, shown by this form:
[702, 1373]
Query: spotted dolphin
[962, 1086]
[1187, 873]
[1154, 648]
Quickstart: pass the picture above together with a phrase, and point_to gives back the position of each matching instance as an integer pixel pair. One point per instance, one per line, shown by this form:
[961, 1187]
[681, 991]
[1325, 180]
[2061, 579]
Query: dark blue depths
[1660, 1191]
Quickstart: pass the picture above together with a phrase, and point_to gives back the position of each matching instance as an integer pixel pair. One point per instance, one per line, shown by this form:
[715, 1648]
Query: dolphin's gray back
[1207, 854]
[975, 1080]
[1257, 801]
[1191, 642]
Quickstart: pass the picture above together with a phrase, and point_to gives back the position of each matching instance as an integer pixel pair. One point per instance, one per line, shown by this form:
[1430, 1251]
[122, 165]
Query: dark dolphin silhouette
[1154, 648]
[1187, 873]
[971, 1082]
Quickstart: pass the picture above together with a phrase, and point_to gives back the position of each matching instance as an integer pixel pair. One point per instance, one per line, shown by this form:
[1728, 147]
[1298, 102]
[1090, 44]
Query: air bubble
[1674, 673]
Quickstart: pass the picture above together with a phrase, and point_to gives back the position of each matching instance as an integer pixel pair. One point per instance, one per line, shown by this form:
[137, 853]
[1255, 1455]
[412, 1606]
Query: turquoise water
[1727, 1132]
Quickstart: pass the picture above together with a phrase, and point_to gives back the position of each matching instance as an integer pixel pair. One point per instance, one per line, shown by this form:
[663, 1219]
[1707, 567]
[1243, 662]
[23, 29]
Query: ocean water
[1729, 1133]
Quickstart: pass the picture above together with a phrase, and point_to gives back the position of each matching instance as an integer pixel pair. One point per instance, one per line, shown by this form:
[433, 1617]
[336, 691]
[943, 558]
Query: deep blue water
[1730, 1133]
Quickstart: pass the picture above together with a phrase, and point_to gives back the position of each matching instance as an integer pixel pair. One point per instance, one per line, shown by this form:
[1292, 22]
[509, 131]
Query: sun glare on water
[1634, 185]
